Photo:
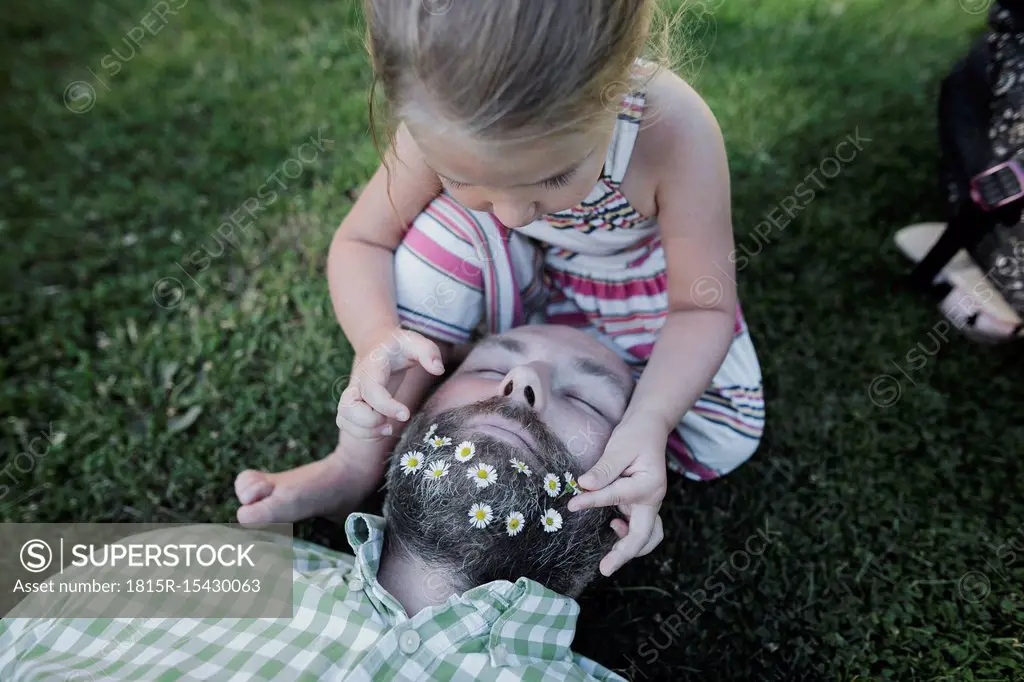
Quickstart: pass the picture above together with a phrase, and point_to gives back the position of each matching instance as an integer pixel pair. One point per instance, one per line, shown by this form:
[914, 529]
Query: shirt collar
[526, 621]
[365, 534]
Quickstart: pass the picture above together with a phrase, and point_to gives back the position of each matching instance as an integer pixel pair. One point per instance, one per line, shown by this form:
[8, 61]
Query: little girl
[539, 167]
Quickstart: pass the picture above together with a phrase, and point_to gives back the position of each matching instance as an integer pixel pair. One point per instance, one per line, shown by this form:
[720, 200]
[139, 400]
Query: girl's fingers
[624, 491]
[425, 352]
[350, 396]
[376, 396]
[363, 432]
[656, 537]
[373, 369]
[612, 463]
[620, 527]
[641, 525]
[360, 414]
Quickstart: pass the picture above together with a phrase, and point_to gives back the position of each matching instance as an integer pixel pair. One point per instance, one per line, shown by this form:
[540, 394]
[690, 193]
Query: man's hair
[429, 519]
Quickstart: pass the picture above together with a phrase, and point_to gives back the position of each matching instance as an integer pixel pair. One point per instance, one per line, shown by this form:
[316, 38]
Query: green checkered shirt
[345, 627]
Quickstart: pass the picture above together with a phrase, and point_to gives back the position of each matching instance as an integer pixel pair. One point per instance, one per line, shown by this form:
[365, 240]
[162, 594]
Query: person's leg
[446, 289]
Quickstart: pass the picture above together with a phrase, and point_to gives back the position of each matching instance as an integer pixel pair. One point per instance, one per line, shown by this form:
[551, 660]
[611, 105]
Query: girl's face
[517, 182]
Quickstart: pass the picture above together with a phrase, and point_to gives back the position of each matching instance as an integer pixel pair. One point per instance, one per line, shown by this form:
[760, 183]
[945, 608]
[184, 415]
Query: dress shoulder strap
[627, 126]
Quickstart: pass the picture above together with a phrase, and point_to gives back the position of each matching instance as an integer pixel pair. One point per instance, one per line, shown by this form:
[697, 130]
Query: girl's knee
[740, 450]
[700, 457]
[439, 273]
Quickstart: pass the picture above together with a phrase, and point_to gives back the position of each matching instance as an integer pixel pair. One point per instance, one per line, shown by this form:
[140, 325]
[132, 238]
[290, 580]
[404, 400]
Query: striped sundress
[599, 266]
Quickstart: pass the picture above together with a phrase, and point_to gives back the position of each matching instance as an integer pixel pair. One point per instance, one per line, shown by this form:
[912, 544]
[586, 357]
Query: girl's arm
[695, 217]
[360, 264]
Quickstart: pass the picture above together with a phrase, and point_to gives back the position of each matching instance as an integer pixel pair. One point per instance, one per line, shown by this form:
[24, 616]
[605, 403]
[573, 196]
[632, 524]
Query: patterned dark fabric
[1001, 252]
[1006, 74]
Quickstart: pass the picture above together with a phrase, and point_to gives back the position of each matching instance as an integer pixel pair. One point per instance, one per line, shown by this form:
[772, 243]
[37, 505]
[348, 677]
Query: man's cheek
[457, 391]
[586, 442]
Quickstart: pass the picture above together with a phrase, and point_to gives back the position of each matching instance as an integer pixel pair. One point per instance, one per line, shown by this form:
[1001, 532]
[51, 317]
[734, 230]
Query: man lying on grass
[470, 575]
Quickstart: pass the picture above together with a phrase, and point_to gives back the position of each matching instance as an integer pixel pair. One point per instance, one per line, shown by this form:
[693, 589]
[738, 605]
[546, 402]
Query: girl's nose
[515, 215]
[524, 385]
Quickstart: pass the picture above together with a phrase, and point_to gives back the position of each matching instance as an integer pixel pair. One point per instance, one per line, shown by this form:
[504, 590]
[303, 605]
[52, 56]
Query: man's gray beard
[429, 519]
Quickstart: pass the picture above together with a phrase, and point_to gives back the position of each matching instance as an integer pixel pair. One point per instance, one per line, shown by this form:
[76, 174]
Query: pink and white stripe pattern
[599, 266]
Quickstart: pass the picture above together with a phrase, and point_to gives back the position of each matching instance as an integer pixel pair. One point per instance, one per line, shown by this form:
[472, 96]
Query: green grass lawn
[146, 378]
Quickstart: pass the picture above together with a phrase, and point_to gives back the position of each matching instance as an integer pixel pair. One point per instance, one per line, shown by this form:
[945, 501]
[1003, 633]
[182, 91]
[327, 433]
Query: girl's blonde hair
[506, 70]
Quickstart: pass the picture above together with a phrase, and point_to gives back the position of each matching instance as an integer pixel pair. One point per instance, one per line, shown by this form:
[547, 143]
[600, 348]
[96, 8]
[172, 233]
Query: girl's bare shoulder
[678, 127]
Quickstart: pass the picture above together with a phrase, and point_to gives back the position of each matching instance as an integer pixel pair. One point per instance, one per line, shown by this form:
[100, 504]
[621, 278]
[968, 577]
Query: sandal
[973, 305]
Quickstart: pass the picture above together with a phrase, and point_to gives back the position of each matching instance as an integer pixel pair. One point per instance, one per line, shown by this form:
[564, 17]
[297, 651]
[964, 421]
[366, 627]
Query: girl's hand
[368, 401]
[630, 476]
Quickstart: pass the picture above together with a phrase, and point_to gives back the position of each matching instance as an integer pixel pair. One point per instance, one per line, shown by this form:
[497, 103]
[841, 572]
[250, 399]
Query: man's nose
[525, 385]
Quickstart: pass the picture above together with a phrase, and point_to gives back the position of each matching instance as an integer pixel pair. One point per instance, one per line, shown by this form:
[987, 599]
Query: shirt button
[409, 641]
[500, 654]
[356, 584]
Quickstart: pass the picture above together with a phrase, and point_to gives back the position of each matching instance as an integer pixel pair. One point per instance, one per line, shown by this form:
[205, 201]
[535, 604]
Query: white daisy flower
[552, 521]
[465, 451]
[411, 461]
[482, 474]
[439, 441]
[552, 486]
[480, 515]
[514, 524]
[437, 469]
[571, 484]
[520, 466]
[430, 433]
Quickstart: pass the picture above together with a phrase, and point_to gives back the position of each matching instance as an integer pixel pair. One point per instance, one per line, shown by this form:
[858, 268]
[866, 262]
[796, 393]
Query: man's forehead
[543, 338]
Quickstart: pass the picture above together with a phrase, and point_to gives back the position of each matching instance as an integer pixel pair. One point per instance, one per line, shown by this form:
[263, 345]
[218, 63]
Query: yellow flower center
[549, 521]
[514, 523]
[482, 473]
[480, 515]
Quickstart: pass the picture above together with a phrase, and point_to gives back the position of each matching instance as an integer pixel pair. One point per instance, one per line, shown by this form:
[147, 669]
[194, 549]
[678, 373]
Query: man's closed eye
[585, 403]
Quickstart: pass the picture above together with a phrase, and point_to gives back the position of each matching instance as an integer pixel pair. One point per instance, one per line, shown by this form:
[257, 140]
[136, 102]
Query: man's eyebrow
[596, 369]
[510, 345]
[584, 365]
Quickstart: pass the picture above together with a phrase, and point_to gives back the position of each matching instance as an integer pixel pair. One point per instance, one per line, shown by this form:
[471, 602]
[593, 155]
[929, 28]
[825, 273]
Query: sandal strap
[1000, 185]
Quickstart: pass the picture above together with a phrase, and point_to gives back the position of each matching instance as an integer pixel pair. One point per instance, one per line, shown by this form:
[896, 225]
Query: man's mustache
[549, 446]
[514, 411]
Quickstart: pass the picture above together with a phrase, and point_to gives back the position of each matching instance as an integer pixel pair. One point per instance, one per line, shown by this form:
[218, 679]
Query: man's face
[529, 411]
[569, 383]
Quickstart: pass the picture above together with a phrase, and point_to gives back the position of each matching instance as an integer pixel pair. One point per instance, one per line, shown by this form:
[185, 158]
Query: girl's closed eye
[557, 182]
[498, 373]
[560, 181]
